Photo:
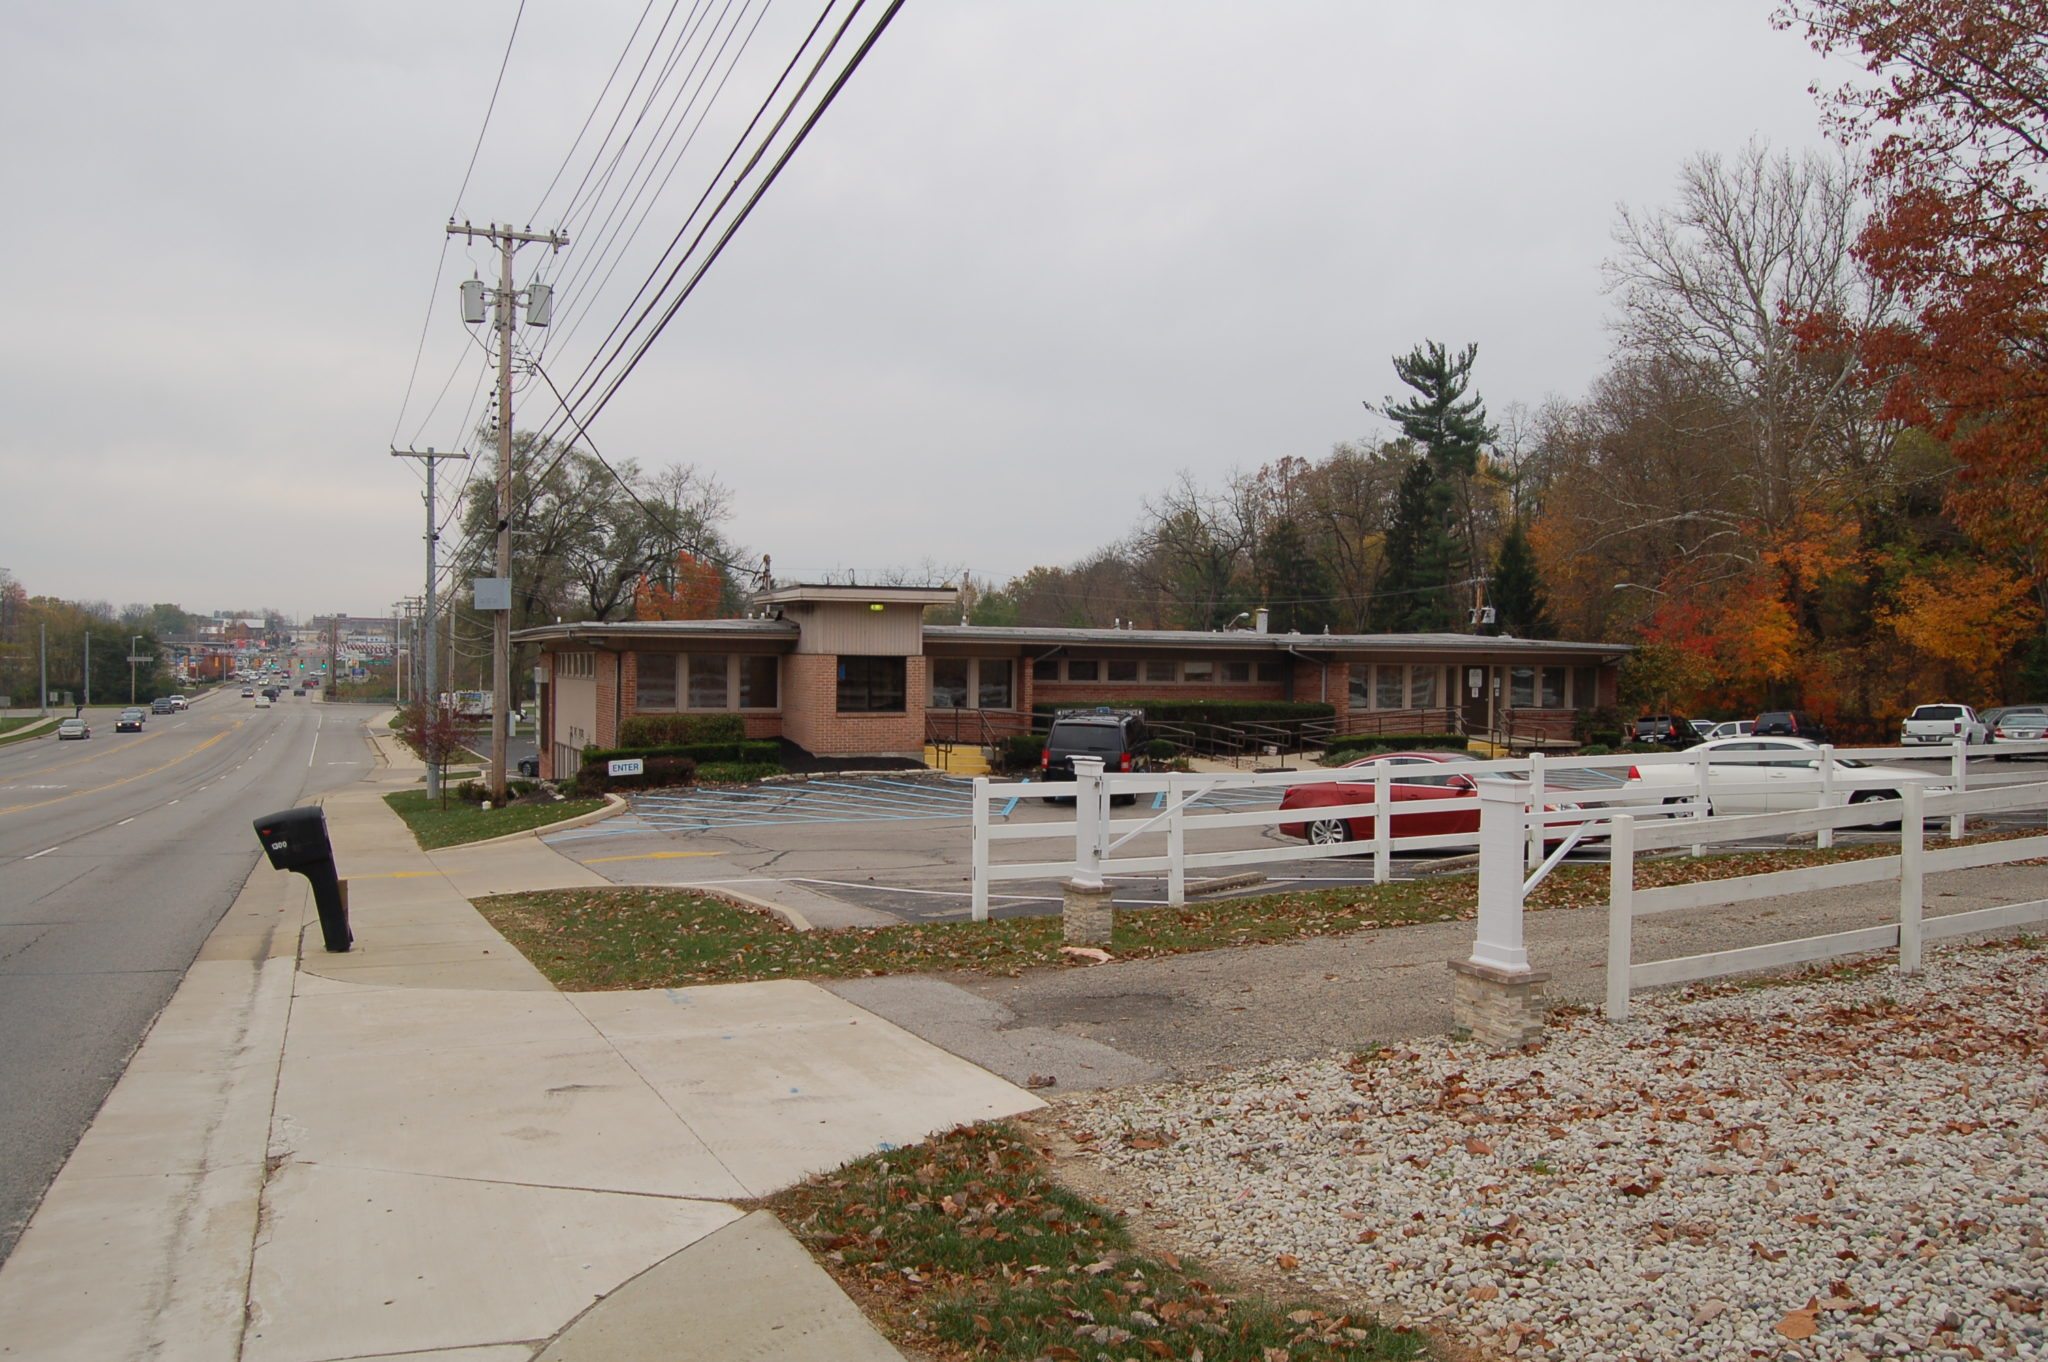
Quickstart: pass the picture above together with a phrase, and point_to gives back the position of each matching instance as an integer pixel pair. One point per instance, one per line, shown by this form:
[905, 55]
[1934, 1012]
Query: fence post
[1826, 836]
[1912, 838]
[1537, 828]
[1621, 907]
[1704, 794]
[1382, 824]
[1176, 846]
[1088, 909]
[1501, 819]
[980, 872]
[1959, 781]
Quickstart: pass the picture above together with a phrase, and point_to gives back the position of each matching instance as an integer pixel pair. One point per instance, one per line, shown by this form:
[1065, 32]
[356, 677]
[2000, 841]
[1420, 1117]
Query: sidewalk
[422, 1148]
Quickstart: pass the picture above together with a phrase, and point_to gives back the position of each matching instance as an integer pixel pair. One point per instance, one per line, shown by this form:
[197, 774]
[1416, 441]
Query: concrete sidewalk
[422, 1148]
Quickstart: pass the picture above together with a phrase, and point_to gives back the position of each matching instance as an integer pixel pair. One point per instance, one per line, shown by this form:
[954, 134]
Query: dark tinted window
[1938, 712]
[1087, 739]
[871, 685]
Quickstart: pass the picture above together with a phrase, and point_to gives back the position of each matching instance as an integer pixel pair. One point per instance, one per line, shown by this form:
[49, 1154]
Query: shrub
[1162, 749]
[476, 791]
[1208, 711]
[1602, 725]
[594, 778]
[737, 772]
[1020, 753]
[1594, 749]
[643, 731]
[756, 751]
[1353, 743]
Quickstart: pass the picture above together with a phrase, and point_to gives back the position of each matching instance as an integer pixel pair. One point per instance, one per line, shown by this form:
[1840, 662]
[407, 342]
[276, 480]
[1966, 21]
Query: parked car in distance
[1733, 728]
[1760, 774]
[73, 728]
[1415, 781]
[1943, 724]
[129, 722]
[1789, 723]
[2020, 723]
[1704, 727]
[1671, 730]
[1118, 736]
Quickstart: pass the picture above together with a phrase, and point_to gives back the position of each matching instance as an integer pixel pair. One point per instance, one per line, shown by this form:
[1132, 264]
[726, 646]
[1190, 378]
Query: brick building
[845, 671]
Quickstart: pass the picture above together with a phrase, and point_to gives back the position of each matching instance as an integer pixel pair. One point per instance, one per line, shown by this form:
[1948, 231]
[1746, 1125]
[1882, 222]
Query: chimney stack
[1259, 618]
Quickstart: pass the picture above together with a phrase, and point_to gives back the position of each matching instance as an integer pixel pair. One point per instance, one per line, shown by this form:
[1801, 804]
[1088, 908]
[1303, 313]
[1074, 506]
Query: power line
[598, 103]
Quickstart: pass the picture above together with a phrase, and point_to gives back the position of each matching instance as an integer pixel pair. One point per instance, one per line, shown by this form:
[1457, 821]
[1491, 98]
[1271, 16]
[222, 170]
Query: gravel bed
[1844, 1168]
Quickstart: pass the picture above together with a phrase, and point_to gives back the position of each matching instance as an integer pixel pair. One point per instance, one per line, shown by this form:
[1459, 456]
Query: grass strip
[434, 826]
[965, 1247]
[592, 939]
[20, 730]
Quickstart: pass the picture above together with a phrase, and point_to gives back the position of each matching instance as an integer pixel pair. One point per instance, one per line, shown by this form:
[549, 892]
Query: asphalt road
[117, 857]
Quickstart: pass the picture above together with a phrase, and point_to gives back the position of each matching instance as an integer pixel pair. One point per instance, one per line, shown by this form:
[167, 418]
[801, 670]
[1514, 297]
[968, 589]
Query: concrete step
[959, 760]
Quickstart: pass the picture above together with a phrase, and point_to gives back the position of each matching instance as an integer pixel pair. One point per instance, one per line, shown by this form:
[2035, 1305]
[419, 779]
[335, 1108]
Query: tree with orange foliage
[694, 594]
[1955, 116]
[1965, 618]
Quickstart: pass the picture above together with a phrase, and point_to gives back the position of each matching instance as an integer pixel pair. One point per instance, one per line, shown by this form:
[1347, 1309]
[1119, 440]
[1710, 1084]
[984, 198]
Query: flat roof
[1251, 639]
[609, 631]
[810, 592]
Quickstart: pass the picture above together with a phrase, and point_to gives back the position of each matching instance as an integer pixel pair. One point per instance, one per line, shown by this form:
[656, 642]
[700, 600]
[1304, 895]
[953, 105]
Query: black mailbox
[296, 839]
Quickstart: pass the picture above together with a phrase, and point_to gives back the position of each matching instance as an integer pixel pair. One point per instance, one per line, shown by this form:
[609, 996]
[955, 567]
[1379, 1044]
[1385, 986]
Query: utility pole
[539, 307]
[88, 670]
[431, 457]
[43, 667]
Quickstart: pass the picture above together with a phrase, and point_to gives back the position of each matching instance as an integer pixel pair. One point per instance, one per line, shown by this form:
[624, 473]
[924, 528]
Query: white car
[1943, 724]
[263, 702]
[1774, 775]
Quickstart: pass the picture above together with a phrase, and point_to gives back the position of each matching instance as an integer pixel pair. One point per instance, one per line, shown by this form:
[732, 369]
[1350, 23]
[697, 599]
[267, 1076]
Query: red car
[1417, 780]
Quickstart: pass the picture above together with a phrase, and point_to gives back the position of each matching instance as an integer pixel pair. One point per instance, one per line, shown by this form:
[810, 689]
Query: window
[1045, 669]
[1159, 669]
[1203, 672]
[871, 685]
[1236, 672]
[995, 683]
[1083, 669]
[759, 677]
[1121, 671]
[1552, 694]
[657, 683]
[1422, 687]
[949, 683]
[1272, 671]
[709, 676]
[1585, 687]
[1522, 686]
[571, 665]
[1361, 686]
[1387, 690]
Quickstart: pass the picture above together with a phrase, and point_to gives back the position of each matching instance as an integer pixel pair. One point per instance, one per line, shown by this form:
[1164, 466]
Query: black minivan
[1117, 736]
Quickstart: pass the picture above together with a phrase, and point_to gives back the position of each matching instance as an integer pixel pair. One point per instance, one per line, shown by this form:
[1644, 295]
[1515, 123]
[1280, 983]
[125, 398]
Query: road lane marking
[44, 852]
[125, 780]
[124, 822]
[172, 802]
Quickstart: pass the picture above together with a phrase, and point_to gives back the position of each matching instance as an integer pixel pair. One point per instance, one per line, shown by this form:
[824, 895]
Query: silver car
[2020, 723]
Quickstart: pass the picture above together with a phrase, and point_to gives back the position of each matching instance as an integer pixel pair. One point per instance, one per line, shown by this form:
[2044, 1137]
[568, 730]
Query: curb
[28, 731]
[613, 804]
[797, 921]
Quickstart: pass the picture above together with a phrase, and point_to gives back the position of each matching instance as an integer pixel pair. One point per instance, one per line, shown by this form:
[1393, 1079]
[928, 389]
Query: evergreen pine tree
[1451, 430]
[1293, 582]
[1450, 427]
[1516, 591]
[1413, 596]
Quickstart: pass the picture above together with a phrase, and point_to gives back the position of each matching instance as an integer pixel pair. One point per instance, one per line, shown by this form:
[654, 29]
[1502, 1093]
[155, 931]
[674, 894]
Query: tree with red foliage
[1955, 116]
[695, 595]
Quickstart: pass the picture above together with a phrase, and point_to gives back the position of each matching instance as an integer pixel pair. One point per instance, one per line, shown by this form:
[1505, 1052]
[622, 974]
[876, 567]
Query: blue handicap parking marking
[1227, 797]
[882, 799]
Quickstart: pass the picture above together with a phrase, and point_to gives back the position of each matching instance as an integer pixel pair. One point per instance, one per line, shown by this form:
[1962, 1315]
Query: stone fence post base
[1087, 913]
[1501, 1009]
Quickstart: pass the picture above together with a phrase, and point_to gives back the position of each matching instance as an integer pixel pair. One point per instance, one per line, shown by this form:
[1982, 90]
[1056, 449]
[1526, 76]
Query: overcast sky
[1039, 258]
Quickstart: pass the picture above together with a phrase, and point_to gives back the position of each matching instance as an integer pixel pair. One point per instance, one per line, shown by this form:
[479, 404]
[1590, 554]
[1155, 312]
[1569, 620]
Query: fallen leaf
[1482, 1293]
[1086, 953]
[1288, 1262]
[1800, 1323]
[1475, 1145]
[1709, 1310]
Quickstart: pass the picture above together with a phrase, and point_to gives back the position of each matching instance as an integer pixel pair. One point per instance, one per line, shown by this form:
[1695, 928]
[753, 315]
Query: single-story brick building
[845, 671]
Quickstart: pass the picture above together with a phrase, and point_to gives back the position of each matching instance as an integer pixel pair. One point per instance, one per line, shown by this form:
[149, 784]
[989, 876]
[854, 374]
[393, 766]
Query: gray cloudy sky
[1034, 245]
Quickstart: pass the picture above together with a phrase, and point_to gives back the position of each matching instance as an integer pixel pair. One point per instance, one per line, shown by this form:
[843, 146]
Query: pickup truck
[1942, 724]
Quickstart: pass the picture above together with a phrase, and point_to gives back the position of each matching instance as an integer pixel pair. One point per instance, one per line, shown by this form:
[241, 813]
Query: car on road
[1117, 736]
[263, 702]
[129, 722]
[1790, 723]
[1733, 728]
[1669, 730]
[2020, 723]
[73, 728]
[248, 692]
[179, 702]
[161, 705]
[1759, 774]
[1704, 727]
[1943, 724]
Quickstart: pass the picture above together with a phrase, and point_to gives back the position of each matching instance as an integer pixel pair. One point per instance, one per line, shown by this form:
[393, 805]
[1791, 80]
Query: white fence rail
[1554, 811]
[1908, 868]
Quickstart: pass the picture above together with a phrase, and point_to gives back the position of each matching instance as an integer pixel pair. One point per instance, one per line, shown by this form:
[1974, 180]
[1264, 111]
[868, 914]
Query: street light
[1638, 586]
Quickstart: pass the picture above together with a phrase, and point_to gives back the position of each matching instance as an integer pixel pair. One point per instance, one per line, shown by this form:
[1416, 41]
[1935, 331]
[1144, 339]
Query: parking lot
[895, 846]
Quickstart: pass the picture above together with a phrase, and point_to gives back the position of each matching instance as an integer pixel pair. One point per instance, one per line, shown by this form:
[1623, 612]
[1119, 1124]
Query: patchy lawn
[655, 938]
[434, 826]
[19, 729]
[965, 1248]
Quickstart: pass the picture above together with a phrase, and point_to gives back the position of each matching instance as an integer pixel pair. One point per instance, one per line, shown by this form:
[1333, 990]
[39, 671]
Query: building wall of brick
[1078, 693]
[811, 718]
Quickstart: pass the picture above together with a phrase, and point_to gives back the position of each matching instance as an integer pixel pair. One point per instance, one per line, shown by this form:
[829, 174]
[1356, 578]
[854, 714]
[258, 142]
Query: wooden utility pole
[430, 457]
[507, 241]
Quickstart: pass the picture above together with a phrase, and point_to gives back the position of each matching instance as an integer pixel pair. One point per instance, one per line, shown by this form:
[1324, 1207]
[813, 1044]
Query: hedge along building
[855, 672]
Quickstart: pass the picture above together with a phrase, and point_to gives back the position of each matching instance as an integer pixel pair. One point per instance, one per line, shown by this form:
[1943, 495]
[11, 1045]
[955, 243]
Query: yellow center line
[108, 751]
[399, 875]
[650, 856]
[125, 780]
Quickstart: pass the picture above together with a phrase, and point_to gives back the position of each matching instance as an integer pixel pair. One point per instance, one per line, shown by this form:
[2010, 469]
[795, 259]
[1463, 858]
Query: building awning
[626, 633]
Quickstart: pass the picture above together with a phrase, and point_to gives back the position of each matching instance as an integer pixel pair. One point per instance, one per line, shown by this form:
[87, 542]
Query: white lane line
[124, 822]
[172, 802]
[314, 748]
[44, 852]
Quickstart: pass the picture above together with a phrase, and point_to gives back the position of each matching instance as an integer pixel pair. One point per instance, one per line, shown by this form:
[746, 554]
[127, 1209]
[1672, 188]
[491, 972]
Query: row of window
[707, 681]
[1430, 684]
[1159, 670]
[574, 665]
[972, 683]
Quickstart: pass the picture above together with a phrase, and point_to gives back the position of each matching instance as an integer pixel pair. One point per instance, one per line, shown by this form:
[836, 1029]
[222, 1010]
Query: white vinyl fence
[1914, 861]
[1199, 821]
